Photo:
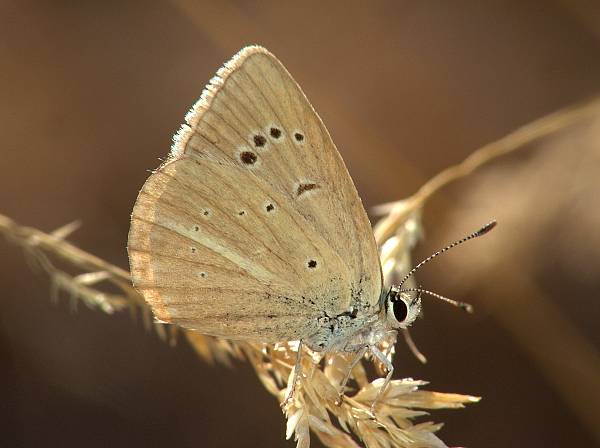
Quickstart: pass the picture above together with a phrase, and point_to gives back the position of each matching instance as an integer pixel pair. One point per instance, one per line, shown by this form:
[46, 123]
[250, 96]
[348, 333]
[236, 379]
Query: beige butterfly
[253, 228]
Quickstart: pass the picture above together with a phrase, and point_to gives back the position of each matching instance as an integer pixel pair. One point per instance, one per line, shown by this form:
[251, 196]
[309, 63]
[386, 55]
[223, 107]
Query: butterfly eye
[400, 310]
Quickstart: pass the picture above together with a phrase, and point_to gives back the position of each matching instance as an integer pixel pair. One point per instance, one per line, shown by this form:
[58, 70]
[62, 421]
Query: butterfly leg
[291, 389]
[390, 369]
[359, 354]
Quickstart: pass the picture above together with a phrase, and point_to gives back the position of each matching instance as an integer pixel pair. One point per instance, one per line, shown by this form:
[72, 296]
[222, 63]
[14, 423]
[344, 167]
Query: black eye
[400, 310]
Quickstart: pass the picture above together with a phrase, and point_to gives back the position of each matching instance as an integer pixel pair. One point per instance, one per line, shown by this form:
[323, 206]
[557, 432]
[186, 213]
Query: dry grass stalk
[316, 406]
[398, 212]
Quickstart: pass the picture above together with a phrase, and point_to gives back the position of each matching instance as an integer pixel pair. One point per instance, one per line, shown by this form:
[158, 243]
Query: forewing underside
[254, 228]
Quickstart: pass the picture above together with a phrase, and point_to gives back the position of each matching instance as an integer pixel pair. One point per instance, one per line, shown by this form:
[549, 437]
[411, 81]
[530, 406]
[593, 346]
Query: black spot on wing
[303, 188]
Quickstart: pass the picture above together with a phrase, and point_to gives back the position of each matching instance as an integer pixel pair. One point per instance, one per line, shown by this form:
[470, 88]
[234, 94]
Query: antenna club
[466, 307]
[485, 229]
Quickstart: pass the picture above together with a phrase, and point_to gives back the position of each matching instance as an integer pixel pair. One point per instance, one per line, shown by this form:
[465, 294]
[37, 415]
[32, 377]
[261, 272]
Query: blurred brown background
[91, 93]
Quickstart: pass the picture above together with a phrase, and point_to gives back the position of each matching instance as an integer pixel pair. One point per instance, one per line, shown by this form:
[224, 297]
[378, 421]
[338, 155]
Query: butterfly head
[400, 308]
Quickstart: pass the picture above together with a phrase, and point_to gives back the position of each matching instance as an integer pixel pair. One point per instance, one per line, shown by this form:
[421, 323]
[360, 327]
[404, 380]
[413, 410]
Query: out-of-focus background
[91, 93]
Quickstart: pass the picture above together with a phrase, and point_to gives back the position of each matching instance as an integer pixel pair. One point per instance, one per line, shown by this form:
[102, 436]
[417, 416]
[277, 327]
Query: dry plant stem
[399, 212]
[59, 247]
[43, 248]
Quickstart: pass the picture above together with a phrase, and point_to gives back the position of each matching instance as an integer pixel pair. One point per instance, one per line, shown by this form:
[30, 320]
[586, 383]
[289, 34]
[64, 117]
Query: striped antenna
[485, 229]
[462, 305]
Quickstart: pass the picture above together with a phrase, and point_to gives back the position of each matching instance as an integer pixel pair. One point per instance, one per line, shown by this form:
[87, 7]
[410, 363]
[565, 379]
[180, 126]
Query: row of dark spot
[250, 157]
[269, 207]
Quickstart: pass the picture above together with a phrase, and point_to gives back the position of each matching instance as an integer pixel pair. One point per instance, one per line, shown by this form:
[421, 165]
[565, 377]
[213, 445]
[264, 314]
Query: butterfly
[253, 229]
